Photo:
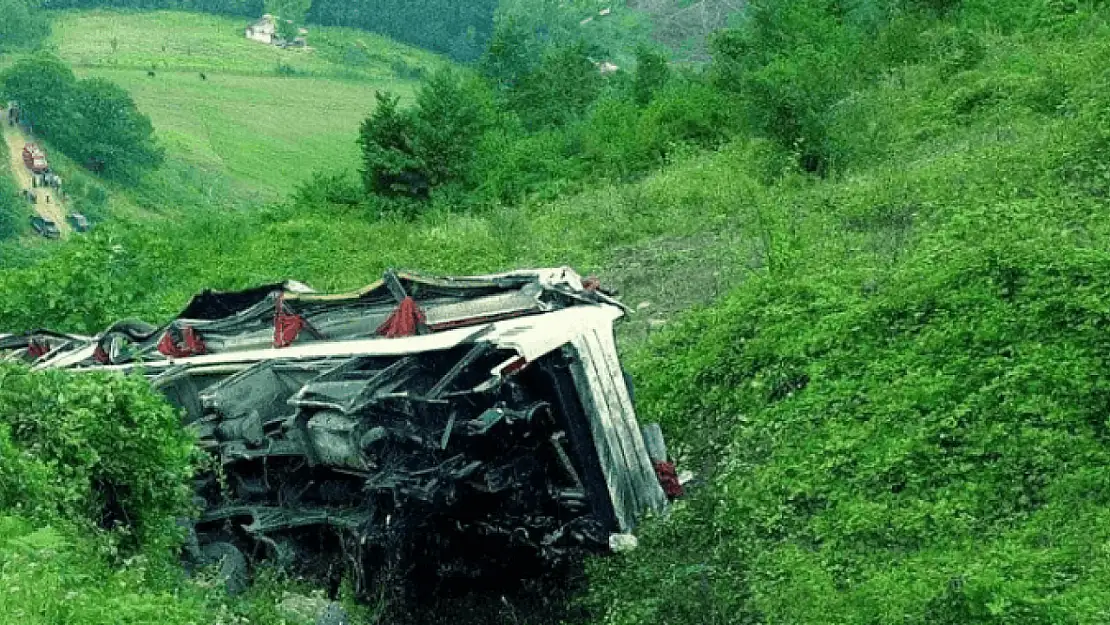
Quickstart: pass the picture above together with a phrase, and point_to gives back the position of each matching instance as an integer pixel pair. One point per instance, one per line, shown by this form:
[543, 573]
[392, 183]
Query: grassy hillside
[893, 383]
[201, 42]
[262, 121]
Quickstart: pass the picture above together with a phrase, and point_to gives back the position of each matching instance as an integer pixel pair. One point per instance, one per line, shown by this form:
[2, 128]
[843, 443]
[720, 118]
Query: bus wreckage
[420, 433]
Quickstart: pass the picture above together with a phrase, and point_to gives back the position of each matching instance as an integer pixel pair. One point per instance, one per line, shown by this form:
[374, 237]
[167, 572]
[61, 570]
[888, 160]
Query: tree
[290, 15]
[512, 54]
[22, 25]
[433, 144]
[114, 137]
[559, 90]
[652, 74]
[44, 88]
[94, 121]
[389, 164]
[452, 114]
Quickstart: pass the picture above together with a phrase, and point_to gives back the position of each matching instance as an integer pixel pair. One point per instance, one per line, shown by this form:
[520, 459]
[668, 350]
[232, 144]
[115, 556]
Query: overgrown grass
[902, 419]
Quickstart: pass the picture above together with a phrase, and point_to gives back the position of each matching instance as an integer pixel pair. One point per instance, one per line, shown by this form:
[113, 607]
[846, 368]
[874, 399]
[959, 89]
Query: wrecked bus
[421, 431]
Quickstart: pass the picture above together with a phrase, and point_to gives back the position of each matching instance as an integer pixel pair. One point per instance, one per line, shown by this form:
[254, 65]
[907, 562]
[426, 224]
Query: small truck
[34, 157]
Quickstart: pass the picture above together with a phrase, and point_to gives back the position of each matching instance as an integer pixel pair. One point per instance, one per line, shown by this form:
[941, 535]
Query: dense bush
[903, 420]
[96, 449]
[542, 120]
[24, 24]
[12, 208]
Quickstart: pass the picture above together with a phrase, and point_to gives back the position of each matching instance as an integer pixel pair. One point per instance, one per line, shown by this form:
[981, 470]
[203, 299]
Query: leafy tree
[652, 74]
[410, 152]
[790, 63]
[44, 87]
[389, 163]
[559, 90]
[452, 113]
[290, 15]
[23, 24]
[113, 136]
[511, 55]
[94, 121]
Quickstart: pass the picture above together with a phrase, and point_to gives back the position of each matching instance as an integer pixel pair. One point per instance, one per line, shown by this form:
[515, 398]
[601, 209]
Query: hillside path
[53, 210]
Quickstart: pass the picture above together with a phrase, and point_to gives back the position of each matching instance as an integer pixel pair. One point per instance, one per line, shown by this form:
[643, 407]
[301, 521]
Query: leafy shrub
[874, 440]
[117, 454]
[652, 74]
[330, 188]
[514, 164]
[559, 90]
[791, 62]
[957, 49]
[407, 71]
[690, 112]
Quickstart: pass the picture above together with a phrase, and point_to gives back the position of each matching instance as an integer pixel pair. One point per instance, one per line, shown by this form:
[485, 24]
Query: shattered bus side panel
[500, 436]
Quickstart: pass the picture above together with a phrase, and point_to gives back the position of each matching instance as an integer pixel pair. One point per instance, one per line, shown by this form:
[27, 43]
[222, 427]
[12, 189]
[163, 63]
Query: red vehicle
[34, 158]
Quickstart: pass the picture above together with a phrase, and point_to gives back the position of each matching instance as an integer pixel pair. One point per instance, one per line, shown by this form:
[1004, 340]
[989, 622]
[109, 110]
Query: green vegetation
[93, 121]
[13, 208]
[24, 24]
[458, 29]
[177, 41]
[542, 118]
[260, 121]
[900, 419]
[896, 412]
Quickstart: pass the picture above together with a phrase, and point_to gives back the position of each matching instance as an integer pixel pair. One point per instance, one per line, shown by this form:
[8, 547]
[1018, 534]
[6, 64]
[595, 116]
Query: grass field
[265, 133]
[249, 129]
[200, 42]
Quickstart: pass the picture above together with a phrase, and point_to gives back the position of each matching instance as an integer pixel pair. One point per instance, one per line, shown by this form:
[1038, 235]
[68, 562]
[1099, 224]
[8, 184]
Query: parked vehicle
[79, 222]
[34, 157]
[45, 227]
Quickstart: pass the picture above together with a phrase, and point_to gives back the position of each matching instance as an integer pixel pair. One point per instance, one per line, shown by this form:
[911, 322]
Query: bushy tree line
[93, 121]
[458, 29]
[559, 118]
[538, 117]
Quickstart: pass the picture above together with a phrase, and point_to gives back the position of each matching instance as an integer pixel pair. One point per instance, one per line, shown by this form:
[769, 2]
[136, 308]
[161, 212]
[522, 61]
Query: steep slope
[903, 419]
[893, 391]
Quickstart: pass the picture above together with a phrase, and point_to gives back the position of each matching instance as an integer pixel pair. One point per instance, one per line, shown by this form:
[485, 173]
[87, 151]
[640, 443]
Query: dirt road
[47, 206]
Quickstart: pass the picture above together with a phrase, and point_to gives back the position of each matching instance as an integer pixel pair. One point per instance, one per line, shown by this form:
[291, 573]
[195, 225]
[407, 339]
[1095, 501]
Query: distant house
[264, 30]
